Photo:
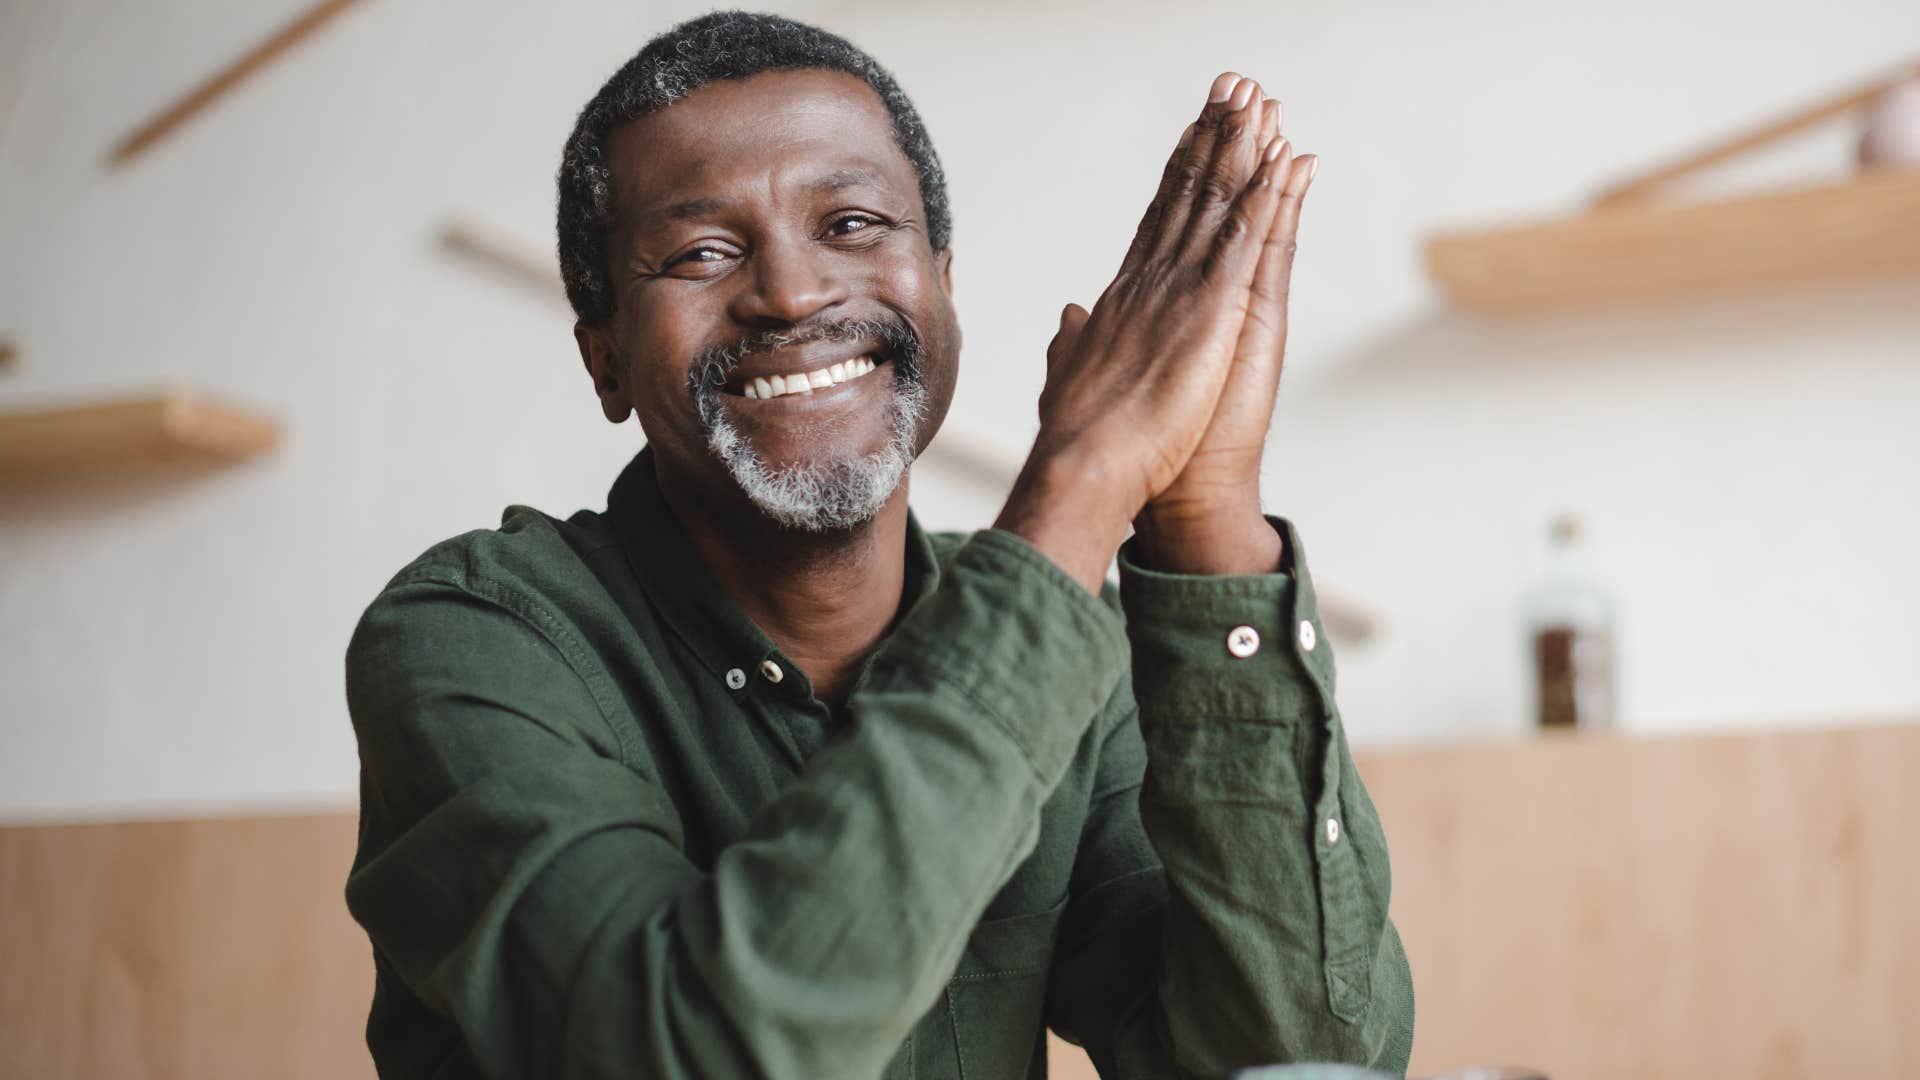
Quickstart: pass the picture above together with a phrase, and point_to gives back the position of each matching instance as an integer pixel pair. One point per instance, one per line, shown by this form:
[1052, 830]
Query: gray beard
[820, 496]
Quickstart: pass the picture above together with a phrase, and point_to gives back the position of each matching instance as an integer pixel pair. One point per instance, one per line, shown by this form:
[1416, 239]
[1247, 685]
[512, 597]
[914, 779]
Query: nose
[791, 281]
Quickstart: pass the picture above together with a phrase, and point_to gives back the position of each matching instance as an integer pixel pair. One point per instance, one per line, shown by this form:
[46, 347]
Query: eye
[702, 254]
[854, 225]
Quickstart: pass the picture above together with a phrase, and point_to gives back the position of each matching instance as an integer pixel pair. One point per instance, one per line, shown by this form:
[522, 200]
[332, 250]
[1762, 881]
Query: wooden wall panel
[182, 950]
[1743, 906]
[1729, 906]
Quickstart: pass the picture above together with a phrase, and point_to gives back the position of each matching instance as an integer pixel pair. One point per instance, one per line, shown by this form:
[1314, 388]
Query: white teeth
[806, 382]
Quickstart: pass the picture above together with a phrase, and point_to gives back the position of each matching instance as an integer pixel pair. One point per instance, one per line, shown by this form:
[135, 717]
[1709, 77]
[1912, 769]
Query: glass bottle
[1570, 628]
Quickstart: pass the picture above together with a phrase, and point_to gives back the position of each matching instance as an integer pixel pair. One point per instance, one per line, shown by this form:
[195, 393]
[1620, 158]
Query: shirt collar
[684, 590]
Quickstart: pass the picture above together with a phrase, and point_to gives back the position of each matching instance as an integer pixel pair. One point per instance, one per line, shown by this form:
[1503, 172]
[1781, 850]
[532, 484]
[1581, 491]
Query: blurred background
[1714, 394]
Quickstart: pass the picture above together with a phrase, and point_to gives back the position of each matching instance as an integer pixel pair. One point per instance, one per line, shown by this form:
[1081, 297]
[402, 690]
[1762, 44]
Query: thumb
[1073, 319]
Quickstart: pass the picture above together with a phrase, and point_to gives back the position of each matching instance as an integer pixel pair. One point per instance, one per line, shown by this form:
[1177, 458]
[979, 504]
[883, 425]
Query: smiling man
[751, 776]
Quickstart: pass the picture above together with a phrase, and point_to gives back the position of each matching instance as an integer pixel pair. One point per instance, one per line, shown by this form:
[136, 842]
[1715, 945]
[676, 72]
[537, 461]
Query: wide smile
[806, 383]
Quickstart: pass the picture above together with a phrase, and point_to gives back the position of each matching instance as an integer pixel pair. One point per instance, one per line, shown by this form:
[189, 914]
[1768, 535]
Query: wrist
[1067, 513]
[1240, 543]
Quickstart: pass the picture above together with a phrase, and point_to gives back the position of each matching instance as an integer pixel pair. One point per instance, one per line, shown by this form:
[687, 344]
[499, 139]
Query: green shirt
[607, 830]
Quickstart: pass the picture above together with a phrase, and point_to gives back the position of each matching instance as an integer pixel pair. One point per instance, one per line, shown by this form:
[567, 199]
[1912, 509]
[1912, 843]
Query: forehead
[741, 138]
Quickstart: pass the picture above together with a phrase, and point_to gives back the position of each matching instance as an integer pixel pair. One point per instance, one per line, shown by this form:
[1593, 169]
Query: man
[749, 775]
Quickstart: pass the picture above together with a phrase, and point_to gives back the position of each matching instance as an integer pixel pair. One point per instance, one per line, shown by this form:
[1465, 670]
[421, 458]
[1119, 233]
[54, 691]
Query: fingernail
[1279, 147]
[1223, 87]
[1243, 93]
[1186, 137]
[1313, 167]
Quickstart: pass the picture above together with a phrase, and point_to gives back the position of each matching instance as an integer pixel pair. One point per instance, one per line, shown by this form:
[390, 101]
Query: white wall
[1746, 468]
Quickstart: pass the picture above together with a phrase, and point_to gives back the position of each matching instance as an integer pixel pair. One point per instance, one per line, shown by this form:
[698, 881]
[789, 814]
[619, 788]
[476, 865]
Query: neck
[826, 599]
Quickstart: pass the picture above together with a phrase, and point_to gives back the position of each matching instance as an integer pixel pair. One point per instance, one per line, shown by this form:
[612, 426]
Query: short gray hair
[723, 45]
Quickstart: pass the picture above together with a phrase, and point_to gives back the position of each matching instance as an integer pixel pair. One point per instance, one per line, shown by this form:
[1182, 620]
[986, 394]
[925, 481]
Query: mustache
[898, 343]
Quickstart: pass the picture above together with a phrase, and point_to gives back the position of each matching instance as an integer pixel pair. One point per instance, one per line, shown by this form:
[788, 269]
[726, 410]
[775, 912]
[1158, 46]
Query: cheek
[913, 286]
[916, 290]
[661, 337]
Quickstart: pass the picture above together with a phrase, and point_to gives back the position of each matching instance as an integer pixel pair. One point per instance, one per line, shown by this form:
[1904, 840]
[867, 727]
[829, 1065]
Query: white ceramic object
[1892, 136]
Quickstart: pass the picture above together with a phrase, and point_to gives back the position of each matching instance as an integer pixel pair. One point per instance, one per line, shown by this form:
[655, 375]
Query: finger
[1225, 112]
[1073, 319]
[1261, 351]
[1245, 411]
[1282, 236]
[1236, 153]
[1150, 221]
[1242, 233]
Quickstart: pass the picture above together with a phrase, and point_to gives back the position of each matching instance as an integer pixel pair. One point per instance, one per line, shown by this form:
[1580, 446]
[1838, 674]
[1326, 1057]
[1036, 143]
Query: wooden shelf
[170, 427]
[1862, 228]
[1636, 245]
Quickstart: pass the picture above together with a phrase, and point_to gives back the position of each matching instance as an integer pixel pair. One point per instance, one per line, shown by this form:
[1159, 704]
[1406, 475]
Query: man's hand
[1209, 520]
[1133, 422]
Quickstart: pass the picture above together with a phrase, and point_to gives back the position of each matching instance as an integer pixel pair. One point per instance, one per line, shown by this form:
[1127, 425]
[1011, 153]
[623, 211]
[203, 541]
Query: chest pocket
[998, 996]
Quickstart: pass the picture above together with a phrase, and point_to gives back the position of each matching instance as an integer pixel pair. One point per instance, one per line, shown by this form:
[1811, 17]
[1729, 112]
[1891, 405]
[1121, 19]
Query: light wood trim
[170, 427]
[1861, 228]
[222, 82]
[1648, 185]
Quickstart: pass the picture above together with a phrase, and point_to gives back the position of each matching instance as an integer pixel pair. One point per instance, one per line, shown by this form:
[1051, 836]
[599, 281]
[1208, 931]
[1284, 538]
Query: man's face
[768, 227]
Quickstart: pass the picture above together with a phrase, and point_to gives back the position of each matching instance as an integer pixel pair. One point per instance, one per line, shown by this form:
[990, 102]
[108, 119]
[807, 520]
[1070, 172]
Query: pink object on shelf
[1891, 139]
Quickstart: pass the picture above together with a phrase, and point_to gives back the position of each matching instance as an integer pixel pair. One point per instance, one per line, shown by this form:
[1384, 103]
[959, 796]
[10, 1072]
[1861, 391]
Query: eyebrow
[704, 207]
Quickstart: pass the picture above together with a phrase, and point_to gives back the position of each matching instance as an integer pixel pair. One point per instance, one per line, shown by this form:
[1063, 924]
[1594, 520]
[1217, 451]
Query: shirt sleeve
[521, 869]
[1231, 905]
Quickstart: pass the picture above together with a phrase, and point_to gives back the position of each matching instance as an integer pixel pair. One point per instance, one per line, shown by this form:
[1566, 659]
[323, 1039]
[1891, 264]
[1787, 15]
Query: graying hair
[722, 45]
[818, 496]
[823, 496]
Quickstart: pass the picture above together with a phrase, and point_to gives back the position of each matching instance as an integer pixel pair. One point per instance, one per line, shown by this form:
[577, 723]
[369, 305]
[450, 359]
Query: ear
[603, 365]
[944, 261]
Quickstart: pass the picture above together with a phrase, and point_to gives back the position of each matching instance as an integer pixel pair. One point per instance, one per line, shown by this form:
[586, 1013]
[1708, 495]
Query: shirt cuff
[1021, 641]
[1249, 647]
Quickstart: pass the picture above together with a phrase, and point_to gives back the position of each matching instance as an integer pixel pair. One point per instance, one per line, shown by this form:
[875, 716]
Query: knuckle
[1235, 228]
[1155, 278]
[1188, 177]
[1218, 187]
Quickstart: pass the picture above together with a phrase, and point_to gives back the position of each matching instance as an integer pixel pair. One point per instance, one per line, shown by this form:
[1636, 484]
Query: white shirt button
[1307, 636]
[736, 678]
[1333, 830]
[772, 671]
[1243, 641]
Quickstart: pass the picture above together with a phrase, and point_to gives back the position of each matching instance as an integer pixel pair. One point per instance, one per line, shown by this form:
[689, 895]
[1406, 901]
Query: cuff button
[1243, 641]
